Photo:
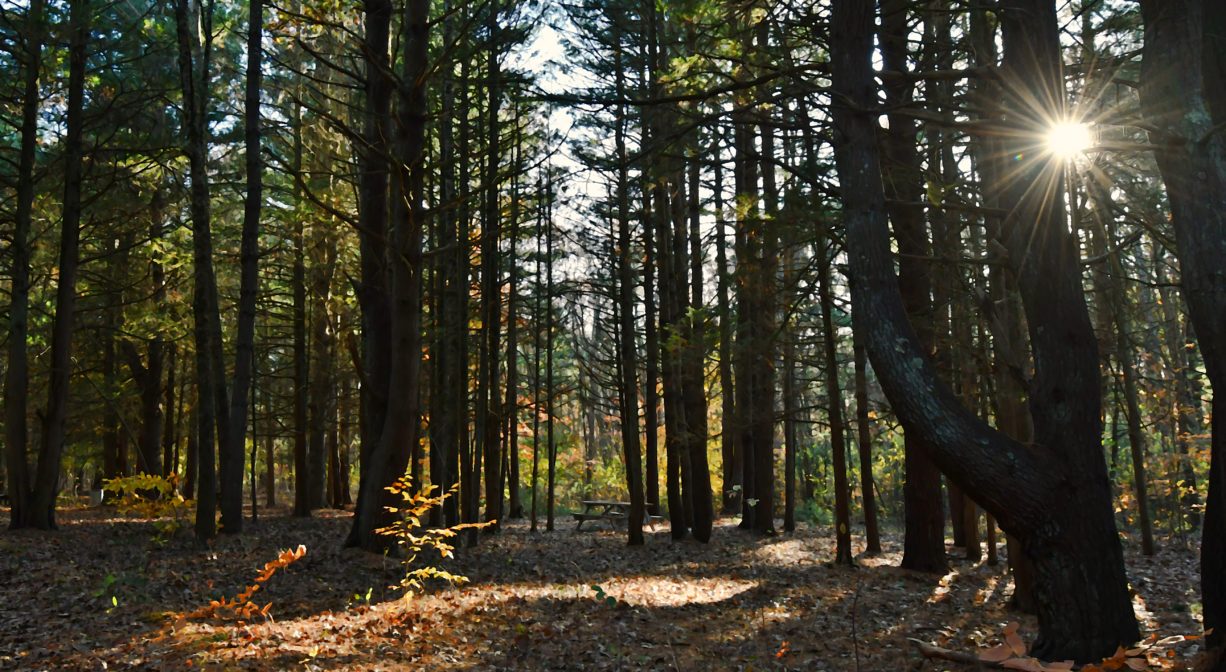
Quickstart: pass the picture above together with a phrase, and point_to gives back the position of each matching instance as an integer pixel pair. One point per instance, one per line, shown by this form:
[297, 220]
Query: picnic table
[610, 510]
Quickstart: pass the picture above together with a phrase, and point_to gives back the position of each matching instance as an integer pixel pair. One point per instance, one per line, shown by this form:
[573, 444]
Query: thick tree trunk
[401, 425]
[234, 440]
[41, 512]
[1182, 99]
[1053, 496]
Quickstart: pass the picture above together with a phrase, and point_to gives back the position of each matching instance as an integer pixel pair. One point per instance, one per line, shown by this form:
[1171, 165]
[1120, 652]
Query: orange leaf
[1015, 642]
[996, 654]
[1011, 628]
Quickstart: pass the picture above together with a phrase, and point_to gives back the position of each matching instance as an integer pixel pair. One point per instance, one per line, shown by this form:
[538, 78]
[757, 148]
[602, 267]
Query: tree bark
[1181, 92]
[628, 342]
[872, 534]
[1053, 496]
[41, 512]
[17, 371]
[372, 237]
[924, 540]
[401, 425]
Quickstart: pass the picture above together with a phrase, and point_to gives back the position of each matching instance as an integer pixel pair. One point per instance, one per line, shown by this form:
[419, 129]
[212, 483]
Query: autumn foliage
[241, 606]
[412, 539]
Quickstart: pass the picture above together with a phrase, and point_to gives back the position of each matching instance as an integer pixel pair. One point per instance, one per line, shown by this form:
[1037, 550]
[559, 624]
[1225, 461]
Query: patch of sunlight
[983, 595]
[658, 591]
[791, 552]
[942, 590]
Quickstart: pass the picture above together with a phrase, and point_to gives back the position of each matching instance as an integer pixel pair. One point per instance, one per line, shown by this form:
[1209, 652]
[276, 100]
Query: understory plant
[153, 497]
[412, 538]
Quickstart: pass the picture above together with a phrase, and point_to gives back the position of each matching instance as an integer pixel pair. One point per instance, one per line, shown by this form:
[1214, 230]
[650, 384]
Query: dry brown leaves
[563, 600]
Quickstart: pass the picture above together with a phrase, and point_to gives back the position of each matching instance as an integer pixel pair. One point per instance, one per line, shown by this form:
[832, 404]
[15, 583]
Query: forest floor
[101, 593]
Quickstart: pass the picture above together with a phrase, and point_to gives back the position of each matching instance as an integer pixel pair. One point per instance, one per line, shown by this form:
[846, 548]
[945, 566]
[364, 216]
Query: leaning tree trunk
[1054, 496]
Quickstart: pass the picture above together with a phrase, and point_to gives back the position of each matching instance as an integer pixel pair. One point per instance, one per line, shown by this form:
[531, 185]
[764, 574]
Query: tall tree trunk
[510, 410]
[488, 404]
[233, 441]
[695, 357]
[627, 341]
[729, 446]
[1183, 101]
[303, 501]
[651, 367]
[550, 389]
[17, 371]
[41, 513]
[924, 541]
[834, 404]
[1054, 496]
[372, 237]
[321, 394]
[401, 425]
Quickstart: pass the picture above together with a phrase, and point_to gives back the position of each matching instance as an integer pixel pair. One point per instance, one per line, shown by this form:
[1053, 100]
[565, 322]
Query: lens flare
[1069, 140]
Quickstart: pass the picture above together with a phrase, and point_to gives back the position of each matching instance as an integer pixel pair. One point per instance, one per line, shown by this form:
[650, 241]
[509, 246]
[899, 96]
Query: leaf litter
[101, 594]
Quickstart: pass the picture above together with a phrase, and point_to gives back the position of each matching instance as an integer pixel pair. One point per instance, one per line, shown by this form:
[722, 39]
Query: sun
[1068, 140]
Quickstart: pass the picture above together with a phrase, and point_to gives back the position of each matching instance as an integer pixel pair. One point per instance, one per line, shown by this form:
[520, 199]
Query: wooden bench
[612, 511]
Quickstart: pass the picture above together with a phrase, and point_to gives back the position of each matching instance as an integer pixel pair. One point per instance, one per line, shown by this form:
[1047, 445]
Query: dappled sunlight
[669, 592]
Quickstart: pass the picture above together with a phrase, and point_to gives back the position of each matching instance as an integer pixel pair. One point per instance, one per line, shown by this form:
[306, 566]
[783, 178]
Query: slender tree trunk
[169, 458]
[550, 389]
[41, 513]
[924, 541]
[17, 371]
[729, 446]
[372, 238]
[488, 404]
[321, 388]
[834, 404]
[510, 412]
[303, 502]
[627, 342]
[864, 440]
